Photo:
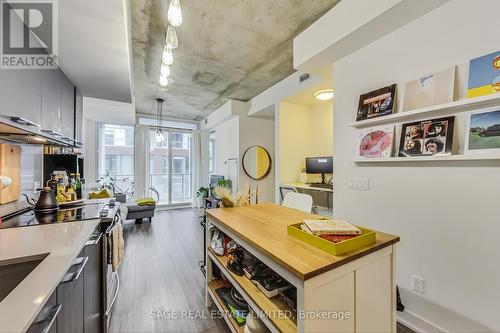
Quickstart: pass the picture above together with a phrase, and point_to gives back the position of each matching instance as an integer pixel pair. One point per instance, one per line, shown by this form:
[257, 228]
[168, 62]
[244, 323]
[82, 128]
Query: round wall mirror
[256, 162]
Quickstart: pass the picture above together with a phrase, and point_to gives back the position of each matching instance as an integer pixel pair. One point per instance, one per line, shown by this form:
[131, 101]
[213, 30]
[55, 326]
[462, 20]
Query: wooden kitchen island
[354, 292]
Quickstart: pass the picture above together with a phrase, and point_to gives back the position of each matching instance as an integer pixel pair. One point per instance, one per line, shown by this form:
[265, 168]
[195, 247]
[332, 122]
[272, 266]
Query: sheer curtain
[196, 156]
[141, 161]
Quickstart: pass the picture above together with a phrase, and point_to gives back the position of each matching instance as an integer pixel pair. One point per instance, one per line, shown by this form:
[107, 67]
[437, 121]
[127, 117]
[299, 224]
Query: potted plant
[202, 192]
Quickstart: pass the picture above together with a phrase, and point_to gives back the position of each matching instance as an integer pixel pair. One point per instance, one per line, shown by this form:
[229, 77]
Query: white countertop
[63, 242]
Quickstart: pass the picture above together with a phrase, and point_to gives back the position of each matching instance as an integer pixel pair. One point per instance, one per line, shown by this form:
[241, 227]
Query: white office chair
[285, 189]
[298, 201]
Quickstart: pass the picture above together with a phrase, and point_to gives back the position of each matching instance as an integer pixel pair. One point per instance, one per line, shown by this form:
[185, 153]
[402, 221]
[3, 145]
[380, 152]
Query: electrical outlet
[418, 284]
[36, 186]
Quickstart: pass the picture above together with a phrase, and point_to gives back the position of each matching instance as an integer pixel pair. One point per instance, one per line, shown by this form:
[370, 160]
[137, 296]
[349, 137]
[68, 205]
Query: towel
[146, 202]
[118, 249]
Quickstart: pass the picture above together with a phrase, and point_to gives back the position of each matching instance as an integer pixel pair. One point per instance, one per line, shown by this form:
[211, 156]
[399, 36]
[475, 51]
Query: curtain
[141, 161]
[196, 181]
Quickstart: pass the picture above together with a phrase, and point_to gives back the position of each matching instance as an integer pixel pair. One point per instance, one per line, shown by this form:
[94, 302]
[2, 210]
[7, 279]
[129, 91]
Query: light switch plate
[359, 184]
[418, 284]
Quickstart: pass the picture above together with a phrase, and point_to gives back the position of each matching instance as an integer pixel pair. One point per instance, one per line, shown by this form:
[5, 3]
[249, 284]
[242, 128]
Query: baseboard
[416, 323]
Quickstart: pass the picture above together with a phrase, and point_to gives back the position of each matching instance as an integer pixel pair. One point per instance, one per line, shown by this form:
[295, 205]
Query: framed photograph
[428, 137]
[484, 75]
[375, 142]
[376, 103]
[432, 89]
[483, 132]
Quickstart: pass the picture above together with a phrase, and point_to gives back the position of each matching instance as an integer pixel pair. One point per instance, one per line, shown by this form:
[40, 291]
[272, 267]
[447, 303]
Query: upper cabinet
[51, 100]
[68, 108]
[78, 116]
[21, 94]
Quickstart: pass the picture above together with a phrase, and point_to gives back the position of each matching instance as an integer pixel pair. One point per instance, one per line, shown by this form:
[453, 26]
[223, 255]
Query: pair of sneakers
[217, 243]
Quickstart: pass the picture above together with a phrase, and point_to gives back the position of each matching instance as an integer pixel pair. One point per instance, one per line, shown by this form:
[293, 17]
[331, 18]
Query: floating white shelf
[462, 105]
[431, 158]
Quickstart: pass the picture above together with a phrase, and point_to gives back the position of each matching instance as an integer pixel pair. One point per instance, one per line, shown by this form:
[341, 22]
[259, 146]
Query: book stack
[332, 230]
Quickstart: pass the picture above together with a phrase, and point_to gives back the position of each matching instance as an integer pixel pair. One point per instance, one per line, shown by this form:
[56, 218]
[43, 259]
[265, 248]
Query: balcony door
[170, 160]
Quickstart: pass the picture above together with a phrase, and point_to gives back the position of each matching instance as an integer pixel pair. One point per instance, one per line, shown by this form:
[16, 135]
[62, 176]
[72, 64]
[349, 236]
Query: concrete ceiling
[94, 47]
[243, 46]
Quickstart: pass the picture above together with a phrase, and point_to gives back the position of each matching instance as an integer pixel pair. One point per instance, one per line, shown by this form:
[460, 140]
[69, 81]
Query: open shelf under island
[358, 286]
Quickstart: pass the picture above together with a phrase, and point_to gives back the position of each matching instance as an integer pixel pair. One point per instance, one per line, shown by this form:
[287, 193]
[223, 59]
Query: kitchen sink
[14, 271]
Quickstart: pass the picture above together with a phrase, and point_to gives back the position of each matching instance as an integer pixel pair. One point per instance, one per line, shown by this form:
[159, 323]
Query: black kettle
[46, 202]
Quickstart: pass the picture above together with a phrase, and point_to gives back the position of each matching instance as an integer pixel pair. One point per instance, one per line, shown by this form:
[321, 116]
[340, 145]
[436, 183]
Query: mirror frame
[268, 169]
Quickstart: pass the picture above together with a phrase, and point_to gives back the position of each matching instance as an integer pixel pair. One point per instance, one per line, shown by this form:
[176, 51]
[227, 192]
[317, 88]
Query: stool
[138, 213]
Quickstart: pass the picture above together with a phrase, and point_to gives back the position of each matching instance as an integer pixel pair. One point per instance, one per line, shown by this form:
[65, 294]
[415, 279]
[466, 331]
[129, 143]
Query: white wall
[445, 213]
[226, 144]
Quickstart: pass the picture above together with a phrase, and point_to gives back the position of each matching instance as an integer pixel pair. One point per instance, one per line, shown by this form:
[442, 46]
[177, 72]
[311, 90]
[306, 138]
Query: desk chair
[284, 190]
[298, 201]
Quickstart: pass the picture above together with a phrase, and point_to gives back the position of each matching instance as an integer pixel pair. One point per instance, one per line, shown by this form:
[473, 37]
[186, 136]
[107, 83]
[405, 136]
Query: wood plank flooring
[160, 277]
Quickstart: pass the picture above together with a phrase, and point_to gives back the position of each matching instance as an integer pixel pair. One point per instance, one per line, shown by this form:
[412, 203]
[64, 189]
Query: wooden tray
[366, 238]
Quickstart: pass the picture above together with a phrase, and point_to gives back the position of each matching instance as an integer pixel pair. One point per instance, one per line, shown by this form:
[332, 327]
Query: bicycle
[130, 190]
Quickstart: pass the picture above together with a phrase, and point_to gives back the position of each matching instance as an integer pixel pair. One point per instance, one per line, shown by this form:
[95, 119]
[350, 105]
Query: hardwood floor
[160, 277]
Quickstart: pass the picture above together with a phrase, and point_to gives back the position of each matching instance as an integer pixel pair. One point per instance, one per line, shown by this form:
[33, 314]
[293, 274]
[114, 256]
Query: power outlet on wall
[358, 184]
[418, 284]
[36, 186]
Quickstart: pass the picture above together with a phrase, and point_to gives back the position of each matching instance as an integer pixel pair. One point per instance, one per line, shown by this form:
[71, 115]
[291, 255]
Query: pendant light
[168, 57]
[159, 110]
[165, 70]
[174, 13]
[163, 81]
[171, 39]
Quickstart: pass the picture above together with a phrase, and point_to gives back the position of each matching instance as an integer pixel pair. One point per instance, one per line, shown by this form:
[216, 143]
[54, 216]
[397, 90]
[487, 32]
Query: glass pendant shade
[163, 81]
[168, 57]
[165, 70]
[171, 38]
[174, 13]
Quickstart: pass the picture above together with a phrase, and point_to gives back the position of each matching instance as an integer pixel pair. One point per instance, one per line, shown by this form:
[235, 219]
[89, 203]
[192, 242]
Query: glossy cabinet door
[46, 321]
[21, 93]
[78, 116]
[51, 100]
[93, 285]
[70, 295]
[68, 108]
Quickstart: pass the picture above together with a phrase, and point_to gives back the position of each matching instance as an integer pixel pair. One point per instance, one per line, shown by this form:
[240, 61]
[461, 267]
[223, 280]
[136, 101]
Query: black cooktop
[29, 217]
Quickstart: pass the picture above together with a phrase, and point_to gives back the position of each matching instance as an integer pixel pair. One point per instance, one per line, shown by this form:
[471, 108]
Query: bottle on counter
[61, 187]
[52, 183]
[78, 186]
[71, 181]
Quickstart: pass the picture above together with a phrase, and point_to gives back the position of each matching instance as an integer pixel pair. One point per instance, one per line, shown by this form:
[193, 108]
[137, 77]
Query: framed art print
[376, 103]
[428, 137]
[375, 142]
[432, 89]
[484, 75]
[483, 132]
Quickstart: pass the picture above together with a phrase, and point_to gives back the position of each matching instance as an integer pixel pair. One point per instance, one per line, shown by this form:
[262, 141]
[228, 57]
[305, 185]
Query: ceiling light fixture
[174, 13]
[165, 70]
[324, 95]
[168, 57]
[159, 115]
[171, 38]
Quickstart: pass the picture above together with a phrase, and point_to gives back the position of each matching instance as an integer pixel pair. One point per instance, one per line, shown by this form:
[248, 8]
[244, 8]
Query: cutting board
[10, 166]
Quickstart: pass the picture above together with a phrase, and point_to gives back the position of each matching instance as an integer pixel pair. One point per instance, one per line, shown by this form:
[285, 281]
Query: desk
[322, 197]
[307, 187]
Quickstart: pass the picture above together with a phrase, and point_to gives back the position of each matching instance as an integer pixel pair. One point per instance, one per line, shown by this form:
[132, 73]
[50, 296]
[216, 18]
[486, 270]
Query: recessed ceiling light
[324, 95]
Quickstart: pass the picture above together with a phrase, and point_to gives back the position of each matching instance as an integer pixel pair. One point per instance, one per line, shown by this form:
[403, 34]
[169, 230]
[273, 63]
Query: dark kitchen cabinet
[51, 100]
[46, 321]
[67, 108]
[93, 285]
[70, 295]
[78, 116]
[21, 93]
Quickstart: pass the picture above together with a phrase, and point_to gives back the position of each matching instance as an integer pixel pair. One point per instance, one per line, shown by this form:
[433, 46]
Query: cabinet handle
[94, 241]
[50, 318]
[71, 277]
[22, 121]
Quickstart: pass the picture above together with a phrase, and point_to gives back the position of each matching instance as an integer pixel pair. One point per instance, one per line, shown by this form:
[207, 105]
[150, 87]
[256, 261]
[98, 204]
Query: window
[211, 153]
[177, 139]
[115, 151]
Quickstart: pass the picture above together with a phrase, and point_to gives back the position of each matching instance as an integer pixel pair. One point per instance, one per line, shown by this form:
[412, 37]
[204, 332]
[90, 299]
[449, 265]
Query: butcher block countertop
[264, 226]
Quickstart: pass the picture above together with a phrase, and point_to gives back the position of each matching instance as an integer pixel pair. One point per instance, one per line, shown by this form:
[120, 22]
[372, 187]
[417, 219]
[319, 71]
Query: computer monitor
[214, 179]
[319, 165]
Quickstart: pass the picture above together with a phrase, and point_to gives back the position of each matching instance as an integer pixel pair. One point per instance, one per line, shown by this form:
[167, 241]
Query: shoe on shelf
[273, 285]
[235, 261]
[256, 271]
[217, 243]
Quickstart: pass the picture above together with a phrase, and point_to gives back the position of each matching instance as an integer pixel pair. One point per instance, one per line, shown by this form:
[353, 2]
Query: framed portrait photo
[431, 89]
[428, 137]
[483, 132]
[377, 103]
[375, 142]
